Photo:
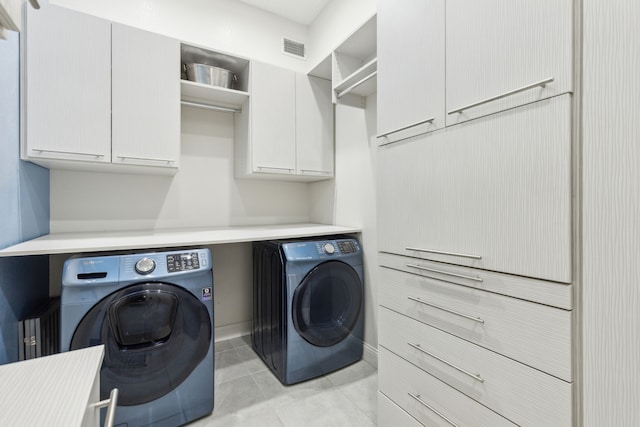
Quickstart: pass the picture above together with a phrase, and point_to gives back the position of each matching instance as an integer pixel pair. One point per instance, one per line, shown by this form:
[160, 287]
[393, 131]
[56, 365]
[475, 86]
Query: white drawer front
[391, 415]
[398, 380]
[534, 334]
[493, 193]
[520, 393]
[549, 293]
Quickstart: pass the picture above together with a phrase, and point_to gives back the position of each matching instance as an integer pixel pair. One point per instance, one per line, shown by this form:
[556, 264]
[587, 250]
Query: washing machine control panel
[182, 262]
[145, 265]
[328, 248]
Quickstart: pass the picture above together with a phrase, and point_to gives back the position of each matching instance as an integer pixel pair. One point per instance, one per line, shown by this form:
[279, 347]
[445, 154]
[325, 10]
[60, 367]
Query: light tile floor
[247, 394]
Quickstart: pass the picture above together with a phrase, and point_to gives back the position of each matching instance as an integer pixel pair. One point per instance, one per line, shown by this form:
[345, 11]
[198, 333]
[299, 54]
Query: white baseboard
[233, 330]
[370, 355]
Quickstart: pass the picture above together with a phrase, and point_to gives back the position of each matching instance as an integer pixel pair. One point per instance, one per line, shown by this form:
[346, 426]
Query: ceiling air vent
[292, 47]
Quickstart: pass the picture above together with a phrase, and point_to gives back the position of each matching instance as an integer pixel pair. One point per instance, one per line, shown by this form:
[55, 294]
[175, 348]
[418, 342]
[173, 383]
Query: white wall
[203, 193]
[337, 21]
[225, 25]
[611, 213]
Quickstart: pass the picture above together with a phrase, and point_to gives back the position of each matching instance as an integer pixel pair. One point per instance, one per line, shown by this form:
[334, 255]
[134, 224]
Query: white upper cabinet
[505, 53]
[99, 96]
[411, 68]
[272, 118]
[285, 128]
[314, 126]
[145, 98]
[494, 193]
[67, 86]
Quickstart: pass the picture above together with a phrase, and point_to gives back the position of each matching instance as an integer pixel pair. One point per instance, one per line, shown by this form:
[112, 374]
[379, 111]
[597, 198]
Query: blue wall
[24, 209]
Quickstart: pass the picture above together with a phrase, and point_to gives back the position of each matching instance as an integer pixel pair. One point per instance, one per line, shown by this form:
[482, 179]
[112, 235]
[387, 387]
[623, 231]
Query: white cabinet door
[497, 46]
[272, 132]
[146, 98]
[67, 86]
[493, 193]
[314, 126]
[411, 60]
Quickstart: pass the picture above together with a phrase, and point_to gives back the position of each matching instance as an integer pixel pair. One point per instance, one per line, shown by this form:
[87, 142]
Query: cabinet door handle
[541, 83]
[146, 158]
[111, 404]
[433, 270]
[476, 377]
[77, 153]
[448, 310]
[315, 171]
[421, 122]
[432, 409]
[274, 168]
[433, 251]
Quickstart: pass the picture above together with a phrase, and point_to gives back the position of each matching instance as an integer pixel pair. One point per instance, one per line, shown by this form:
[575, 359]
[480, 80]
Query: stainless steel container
[209, 75]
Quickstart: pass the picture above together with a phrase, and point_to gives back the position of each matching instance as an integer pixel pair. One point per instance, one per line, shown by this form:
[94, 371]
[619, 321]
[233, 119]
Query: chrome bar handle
[433, 251]
[356, 84]
[432, 409]
[77, 153]
[421, 122]
[315, 171]
[210, 107]
[448, 310]
[433, 270]
[146, 158]
[274, 168]
[541, 83]
[111, 404]
[476, 377]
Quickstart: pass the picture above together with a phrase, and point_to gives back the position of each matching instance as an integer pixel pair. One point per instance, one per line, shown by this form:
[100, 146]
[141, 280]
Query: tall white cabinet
[476, 304]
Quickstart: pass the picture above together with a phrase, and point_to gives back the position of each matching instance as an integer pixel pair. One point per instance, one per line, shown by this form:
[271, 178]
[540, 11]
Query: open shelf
[361, 82]
[207, 95]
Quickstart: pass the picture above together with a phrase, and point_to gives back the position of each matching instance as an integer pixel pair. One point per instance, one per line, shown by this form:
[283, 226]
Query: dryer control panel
[320, 249]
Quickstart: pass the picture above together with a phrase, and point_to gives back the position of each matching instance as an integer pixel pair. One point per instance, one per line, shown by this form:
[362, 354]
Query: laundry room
[329, 212]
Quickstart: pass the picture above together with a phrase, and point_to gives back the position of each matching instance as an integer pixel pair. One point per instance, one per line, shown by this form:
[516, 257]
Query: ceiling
[300, 11]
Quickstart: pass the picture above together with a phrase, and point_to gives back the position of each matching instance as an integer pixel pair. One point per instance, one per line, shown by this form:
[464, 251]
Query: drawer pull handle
[448, 310]
[476, 377]
[541, 83]
[432, 409]
[77, 153]
[146, 158]
[444, 253]
[421, 122]
[433, 270]
[111, 404]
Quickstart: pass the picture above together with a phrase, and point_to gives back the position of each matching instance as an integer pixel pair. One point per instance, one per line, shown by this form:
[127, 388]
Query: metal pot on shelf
[210, 75]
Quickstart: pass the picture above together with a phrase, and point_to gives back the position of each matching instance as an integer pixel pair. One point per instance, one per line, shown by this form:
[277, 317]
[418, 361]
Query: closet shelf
[214, 96]
[361, 82]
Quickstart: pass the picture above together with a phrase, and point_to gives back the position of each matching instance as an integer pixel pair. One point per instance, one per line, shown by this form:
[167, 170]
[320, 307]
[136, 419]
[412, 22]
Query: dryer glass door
[327, 303]
[155, 335]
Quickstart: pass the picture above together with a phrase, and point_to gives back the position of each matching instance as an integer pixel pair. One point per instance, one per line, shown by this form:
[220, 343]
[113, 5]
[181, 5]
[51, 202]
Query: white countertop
[49, 391]
[146, 239]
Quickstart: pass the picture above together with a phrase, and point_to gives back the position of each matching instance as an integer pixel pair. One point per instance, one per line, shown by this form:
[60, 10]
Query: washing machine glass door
[155, 335]
[327, 303]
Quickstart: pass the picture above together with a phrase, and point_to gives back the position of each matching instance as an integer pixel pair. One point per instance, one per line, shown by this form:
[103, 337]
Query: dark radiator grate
[39, 332]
